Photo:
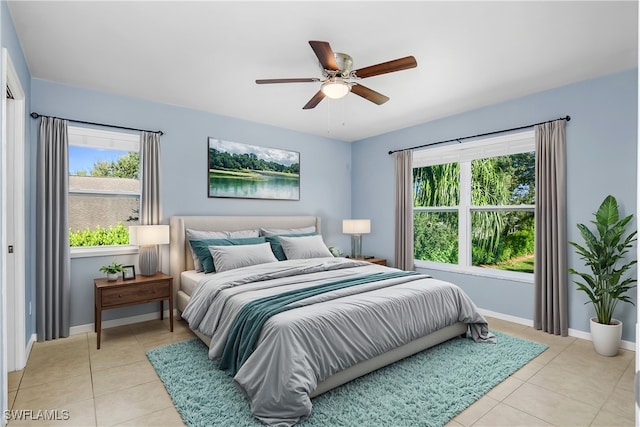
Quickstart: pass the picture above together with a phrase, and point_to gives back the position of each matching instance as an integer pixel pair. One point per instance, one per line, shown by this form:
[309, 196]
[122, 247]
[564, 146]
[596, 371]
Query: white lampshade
[147, 237]
[144, 235]
[335, 89]
[356, 226]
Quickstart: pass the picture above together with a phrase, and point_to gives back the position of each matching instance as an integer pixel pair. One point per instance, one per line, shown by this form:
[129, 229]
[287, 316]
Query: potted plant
[606, 285]
[112, 270]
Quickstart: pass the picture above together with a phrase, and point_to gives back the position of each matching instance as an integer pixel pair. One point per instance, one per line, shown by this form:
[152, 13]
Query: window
[104, 186]
[474, 203]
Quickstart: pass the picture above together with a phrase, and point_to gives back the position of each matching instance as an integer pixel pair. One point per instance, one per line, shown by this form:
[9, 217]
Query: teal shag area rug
[426, 389]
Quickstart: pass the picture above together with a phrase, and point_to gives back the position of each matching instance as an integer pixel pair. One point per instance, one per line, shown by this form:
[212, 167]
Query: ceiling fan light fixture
[335, 88]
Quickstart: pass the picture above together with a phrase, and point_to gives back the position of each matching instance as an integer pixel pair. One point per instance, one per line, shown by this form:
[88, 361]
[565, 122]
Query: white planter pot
[112, 277]
[606, 338]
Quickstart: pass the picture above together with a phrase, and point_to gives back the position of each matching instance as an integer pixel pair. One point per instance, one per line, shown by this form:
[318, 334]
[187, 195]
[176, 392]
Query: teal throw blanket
[247, 326]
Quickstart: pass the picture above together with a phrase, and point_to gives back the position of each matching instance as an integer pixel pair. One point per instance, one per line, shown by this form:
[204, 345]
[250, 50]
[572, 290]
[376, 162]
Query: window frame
[106, 139]
[464, 154]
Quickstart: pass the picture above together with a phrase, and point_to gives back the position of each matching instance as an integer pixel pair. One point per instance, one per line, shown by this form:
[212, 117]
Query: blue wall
[601, 160]
[325, 185]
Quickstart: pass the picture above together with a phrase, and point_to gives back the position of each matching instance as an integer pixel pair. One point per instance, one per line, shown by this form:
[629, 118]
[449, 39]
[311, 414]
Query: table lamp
[148, 237]
[356, 227]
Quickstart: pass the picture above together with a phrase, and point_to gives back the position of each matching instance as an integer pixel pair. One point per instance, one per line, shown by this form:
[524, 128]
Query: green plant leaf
[607, 214]
[606, 286]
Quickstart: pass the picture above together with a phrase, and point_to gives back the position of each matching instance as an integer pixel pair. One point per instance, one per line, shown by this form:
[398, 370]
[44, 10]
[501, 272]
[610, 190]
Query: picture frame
[245, 171]
[128, 272]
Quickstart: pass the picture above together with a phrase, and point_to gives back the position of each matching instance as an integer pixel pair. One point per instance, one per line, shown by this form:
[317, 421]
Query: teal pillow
[276, 246]
[201, 248]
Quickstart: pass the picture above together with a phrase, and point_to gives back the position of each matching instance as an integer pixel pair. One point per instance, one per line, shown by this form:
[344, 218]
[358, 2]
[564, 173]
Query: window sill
[476, 271]
[96, 251]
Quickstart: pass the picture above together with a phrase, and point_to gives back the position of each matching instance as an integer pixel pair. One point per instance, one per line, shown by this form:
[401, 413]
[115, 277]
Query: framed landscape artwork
[252, 172]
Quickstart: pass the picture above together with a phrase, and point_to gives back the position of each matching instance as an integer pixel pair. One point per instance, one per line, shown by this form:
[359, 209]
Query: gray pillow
[201, 248]
[204, 235]
[231, 257]
[276, 231]
[303, 247]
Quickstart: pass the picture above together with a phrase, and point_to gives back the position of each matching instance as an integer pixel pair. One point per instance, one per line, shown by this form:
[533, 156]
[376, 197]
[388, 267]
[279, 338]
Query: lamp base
[148, 260]
[356, 246]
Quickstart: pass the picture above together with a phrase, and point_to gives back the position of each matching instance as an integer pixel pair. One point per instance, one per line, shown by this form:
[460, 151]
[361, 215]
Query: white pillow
[244, 234]
[304, 247]
[230, 257]
[203, 234]
[269, 232]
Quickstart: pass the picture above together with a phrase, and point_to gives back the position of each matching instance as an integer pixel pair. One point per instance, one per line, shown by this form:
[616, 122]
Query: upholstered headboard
[180, 253]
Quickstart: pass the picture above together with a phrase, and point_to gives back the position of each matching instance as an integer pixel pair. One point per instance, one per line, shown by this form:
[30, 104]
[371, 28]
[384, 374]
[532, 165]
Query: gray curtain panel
[53, 262]
[150, 209]
[550, 268]
[404, 210]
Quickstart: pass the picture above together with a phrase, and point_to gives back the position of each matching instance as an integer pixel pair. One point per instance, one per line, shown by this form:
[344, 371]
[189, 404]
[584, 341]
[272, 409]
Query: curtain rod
[567, 118]
[36, 115]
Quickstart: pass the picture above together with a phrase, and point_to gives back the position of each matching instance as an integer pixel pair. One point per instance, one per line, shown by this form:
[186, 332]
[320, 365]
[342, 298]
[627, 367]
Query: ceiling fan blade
[319, 96]
[268, 81]
[387, 67]
[325, 54]
[369, 94]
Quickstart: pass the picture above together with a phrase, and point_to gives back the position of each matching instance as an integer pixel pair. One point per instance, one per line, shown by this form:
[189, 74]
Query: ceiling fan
[339, 79]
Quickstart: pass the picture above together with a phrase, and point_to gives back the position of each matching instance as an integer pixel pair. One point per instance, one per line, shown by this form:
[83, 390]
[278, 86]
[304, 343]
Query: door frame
[13, 132]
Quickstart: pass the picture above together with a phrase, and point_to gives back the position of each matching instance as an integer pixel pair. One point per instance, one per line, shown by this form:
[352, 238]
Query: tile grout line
[157, 378]
[613, 390]
[93, 390]
[527, 381]
[531, 415]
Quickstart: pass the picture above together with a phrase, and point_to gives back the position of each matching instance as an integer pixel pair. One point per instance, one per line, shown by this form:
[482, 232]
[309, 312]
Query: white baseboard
[27, 351]
[32, 340]
[507, 317]
[627, 345]
[89, 327]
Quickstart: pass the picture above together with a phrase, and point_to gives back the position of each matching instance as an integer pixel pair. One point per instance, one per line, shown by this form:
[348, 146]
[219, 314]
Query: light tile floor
[567, 385]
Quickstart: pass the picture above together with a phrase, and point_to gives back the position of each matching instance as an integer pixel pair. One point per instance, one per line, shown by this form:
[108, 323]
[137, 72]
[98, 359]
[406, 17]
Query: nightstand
[380, 261]
[123, 293]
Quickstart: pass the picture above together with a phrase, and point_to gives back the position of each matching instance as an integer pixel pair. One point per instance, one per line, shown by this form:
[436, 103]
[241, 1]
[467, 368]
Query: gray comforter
[326, 334]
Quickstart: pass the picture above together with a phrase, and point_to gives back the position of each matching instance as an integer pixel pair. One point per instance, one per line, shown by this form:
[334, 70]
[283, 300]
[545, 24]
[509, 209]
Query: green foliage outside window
[496, 237]
[118, 235]
[436, 236]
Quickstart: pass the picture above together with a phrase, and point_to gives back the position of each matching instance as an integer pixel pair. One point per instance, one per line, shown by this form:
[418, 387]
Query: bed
[311, 364]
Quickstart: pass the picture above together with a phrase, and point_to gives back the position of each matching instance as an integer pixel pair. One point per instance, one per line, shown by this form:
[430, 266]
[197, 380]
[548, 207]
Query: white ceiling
[206, 55]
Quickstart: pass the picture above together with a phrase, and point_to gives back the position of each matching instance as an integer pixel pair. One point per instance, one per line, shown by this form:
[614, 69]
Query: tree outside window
[476, 212]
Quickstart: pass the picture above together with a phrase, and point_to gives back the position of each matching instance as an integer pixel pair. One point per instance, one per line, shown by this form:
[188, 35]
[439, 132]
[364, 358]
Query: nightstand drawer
[134, 293]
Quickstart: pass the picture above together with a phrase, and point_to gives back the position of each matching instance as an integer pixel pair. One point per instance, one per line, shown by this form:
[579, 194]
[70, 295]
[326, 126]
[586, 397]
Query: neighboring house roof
[86, 210]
